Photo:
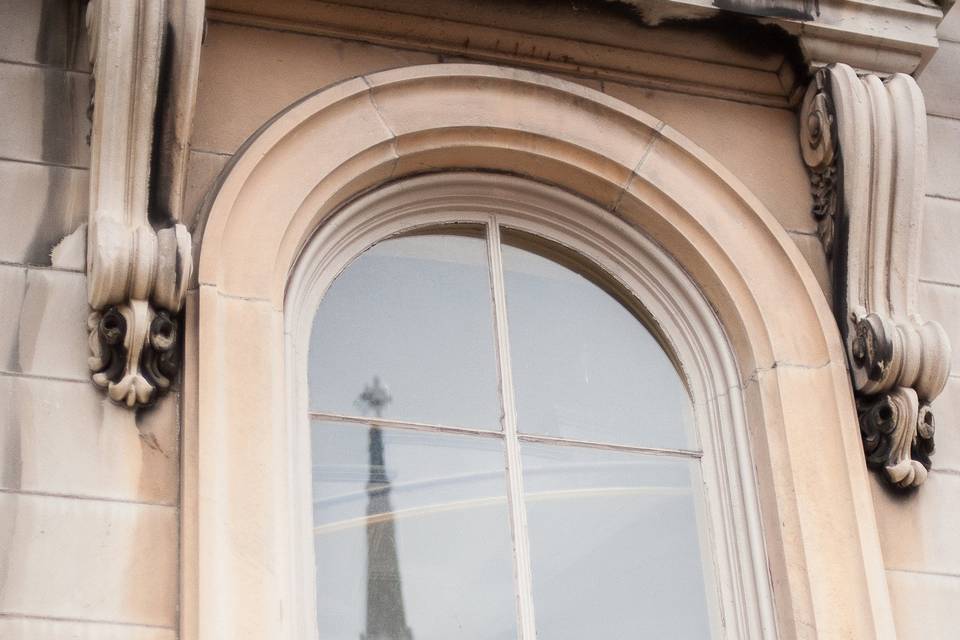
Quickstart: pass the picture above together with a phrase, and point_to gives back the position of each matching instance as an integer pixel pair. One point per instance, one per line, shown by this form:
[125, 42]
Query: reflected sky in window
[613, 544]
[419, 530]
[417, 312]
[584, 366]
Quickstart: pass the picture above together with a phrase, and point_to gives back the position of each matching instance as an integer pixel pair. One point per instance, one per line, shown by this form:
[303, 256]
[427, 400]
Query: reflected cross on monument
[386, 618]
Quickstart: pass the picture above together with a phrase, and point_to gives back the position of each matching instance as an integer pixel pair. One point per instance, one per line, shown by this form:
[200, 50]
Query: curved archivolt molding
[822, 547]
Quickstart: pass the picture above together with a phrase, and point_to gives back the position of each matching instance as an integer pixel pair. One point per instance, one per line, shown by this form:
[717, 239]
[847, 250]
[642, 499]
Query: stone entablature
[885, 36]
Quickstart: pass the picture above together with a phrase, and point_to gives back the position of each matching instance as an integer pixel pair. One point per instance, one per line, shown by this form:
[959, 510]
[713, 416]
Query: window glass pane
[412, 535]
[415, 312]
[614, 544]
[584, 366]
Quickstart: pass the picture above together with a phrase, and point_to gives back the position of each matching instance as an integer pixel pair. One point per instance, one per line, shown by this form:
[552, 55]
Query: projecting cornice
[865, 142]
[136, 275]
[755, 51]
[879, 36]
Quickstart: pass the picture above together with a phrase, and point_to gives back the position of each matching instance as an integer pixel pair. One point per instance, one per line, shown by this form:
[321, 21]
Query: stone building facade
[218, 138]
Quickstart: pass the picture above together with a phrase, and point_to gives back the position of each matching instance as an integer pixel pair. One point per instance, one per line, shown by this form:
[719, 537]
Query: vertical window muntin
[510, 435]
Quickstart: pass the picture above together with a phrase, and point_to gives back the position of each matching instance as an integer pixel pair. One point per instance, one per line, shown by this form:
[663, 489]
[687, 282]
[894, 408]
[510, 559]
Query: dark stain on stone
[11, 467]
[164, 139]
[13, 362]
[746, 34]
[58, 45]
[805, 10]
[737, 23]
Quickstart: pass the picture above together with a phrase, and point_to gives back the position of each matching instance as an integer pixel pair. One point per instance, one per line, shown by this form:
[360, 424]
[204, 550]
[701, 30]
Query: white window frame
[741, 604]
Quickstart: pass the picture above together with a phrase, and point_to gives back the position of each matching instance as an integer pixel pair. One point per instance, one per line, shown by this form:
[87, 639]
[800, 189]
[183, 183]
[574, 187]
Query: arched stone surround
[307, 163]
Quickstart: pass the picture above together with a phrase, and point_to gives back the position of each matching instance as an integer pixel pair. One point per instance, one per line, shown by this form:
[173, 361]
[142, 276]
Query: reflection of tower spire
[386, 619]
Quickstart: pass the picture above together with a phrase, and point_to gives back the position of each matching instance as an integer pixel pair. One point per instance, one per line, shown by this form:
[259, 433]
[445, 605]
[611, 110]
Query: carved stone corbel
[864, 140]
[136, 276]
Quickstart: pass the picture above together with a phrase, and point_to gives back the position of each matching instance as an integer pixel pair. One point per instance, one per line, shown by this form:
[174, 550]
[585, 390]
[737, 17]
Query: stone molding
[893, 36]
[136, 276]
[864, 140]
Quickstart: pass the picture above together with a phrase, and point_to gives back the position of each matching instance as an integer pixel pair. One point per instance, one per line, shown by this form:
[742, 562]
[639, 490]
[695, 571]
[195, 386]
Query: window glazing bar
[518, 513]
[403, 424]
[590, 444]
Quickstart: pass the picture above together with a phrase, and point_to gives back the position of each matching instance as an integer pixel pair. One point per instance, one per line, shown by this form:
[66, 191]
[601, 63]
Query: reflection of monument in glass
[386, 619]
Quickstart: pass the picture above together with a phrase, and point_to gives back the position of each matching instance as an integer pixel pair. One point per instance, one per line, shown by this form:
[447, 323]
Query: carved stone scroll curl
[817, 142]
[136, 275]
[864, 142]
[897, 432]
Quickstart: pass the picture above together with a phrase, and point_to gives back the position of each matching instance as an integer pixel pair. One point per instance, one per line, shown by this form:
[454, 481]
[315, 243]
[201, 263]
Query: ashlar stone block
[94, 560]
[67, 438]
[44, 33]
[943, 161]
[41, 204]
[51, 326]
[942, 303]
[940, 81]
[941, 234]
[41, 629]
[918, 530]
[13, 284]
[45, 111]
[247, 75]
[925, 605]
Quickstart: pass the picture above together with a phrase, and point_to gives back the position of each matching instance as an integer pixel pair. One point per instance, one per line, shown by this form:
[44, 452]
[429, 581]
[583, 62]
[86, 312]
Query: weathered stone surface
[940, 81]
[941, 233]
[946, 411]
[925, 605]
[19, 628]
[943, 161]
[770, 164]
[918, 530]
[67, 438]
[202, 171]
[40, 205]
[45, 115]
[942, 303]
[247, 75]
[950, 27]
[80, 559]
[13, 284]
[44, 33]
[51, 326]
[812, 250]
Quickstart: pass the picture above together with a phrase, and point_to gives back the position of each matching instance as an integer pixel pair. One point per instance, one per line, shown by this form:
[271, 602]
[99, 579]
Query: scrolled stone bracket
[136, 275]
[864, 142]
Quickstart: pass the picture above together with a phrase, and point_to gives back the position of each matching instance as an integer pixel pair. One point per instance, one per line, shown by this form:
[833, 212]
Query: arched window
[502, 440]
[632, 208]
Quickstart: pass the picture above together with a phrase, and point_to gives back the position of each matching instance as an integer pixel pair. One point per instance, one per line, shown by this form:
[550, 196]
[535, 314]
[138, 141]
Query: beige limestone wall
[248, 74]
[919, 532]
[88, 494]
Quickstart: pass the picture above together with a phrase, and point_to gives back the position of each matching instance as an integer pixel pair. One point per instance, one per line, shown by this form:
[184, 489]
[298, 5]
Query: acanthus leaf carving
[136, 275]
[897, 432]
[863, 140]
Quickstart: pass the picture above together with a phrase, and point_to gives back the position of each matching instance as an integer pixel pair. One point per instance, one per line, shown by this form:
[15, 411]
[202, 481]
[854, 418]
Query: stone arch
[315, 157]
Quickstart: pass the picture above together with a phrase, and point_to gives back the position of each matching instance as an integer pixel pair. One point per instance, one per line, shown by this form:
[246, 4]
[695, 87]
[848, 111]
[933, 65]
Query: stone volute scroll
[136, 275]
[864, 142]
